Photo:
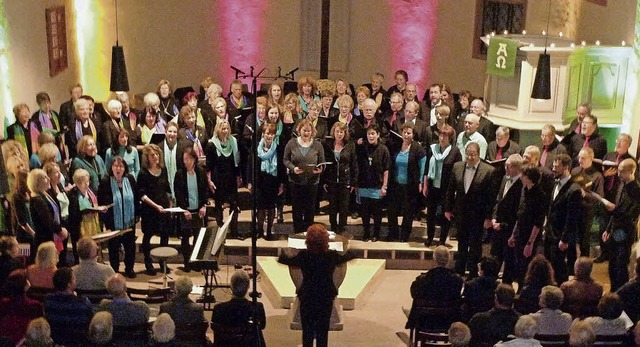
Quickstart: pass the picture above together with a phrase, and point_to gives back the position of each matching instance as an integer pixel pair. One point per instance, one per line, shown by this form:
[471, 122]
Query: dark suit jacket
[322, 129]
[438, 287]
[42, 215]
[614, 180]
[421, 133]
[505, 211]
[236, 313]
[181, 189]
[487, 129]
[67, 114]
[596, 142]
[476, 204]
[564, 212]
[510, 148]
[183, 310]
[554, 149]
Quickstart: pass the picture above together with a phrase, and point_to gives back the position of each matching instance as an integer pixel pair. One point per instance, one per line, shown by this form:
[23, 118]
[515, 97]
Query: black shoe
[151, 272]
[130, 274]
[600, 259]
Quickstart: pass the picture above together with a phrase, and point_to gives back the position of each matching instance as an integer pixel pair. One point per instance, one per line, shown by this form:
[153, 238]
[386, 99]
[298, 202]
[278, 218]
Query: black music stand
[210, 280]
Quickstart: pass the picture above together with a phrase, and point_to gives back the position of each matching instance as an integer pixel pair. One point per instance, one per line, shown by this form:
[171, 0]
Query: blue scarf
[123, 216]
[435, 164]
[230, 147]
[269, 158]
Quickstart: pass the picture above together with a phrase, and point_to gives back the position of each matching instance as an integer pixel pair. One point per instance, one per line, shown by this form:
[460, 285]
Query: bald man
[624, 212]
[471, 134]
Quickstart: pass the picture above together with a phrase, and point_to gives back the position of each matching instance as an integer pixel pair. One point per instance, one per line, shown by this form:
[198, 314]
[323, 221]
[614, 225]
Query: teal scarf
[269, 158]
[228, 148]
[435, 164]
[123, 214]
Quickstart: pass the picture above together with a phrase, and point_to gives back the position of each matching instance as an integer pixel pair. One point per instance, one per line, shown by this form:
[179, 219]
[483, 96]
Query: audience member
[539, 274]
[438, 287]
[91, 275]
[496, 324]
[38, 334]
[479, 292]
[630, 294]
[524, 332]
[609, 320]
[164, 331]
[9, 257]
[101, 330]
[16, 309]
[581, 334]
[125, 312]
[240, 312]
[551, 321]
[459, 334]
[181, 308]
[68, 314]
[41, 273]
[582, 293]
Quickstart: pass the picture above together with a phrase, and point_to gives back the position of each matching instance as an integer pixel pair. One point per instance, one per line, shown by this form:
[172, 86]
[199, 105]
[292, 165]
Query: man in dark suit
[421, 130]
[438, 287]
[588, 138]
[611, 182]
[575, 127]
[550, 147]
[562, 220]
[470, 199]
[505, 215]
[67, 109]
[502, 147]
[486, 128]
[237, 313]
[429, 104]
[182, 309]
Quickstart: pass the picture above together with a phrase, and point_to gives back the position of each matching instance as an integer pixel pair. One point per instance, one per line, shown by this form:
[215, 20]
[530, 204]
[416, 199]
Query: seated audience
[438, 287]
[91, 275]
[237, 312]
[181, 308]
[68, 314]
[496, 324]
[125, 312]
[551, 321]
[164, 331]
[101, 330]
[539, 274]
[524, 331]
[41, 273]
[479, 292]
[581, 334]
[459, 334]
[630, 295]
[16, 309]
[38, 334]
[608, 321]
[582, 293]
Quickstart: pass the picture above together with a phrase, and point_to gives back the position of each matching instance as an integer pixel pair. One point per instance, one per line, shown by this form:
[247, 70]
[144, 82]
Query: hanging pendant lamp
[542, 82]
[119, 79]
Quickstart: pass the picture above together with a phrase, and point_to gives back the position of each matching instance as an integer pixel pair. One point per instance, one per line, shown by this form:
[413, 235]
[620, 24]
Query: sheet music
[175, 210]
[196, 247]
[301, 244]
[221, 235]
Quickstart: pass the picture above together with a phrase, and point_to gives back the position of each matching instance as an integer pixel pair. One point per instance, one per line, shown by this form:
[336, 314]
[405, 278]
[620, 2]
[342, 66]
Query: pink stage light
[242, 25]
[413, 32]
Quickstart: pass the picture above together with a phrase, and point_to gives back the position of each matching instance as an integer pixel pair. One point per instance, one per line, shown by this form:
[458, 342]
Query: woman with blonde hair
[45, 213]
[58, 192]
[83, 210]
[41, 273]
[220, 110]
[191, 131]
[21, 208]
[342, 88]
[223, 164]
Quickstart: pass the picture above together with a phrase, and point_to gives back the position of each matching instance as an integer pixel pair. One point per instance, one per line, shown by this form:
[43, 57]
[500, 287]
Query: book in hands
[310, 167]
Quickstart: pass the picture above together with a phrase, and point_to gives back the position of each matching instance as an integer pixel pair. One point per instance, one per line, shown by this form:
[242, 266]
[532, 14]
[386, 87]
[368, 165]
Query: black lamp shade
[119, 80]
[542, 82]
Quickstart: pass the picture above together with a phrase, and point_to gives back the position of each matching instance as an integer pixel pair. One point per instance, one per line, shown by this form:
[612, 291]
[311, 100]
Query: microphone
[238, 70]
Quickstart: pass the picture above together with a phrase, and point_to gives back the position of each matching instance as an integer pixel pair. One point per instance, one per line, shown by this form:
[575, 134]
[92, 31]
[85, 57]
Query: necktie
[556, 188]
[543, 158]
[499, 154]
[579, 128]
[586, 141]
[393, 117]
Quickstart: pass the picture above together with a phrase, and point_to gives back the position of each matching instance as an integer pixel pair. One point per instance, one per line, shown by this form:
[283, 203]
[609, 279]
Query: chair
[553, 340]
[150, 295]
[133, 335]
[431, 339]
[193, 334]
[94, 295]
[429, 316]
[234, 336]
[39, 293]
[614, 340]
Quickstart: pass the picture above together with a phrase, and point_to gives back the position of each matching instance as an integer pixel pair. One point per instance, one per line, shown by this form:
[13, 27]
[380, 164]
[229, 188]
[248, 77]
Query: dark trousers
[557, 258]
[338, 206]
[435, 215]
[315, 316]
[520, 262]
[501, 251]
[371, 208]
[402, 203]
[469, 247]
[128, 241]
[303, 205]
[619, 263]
